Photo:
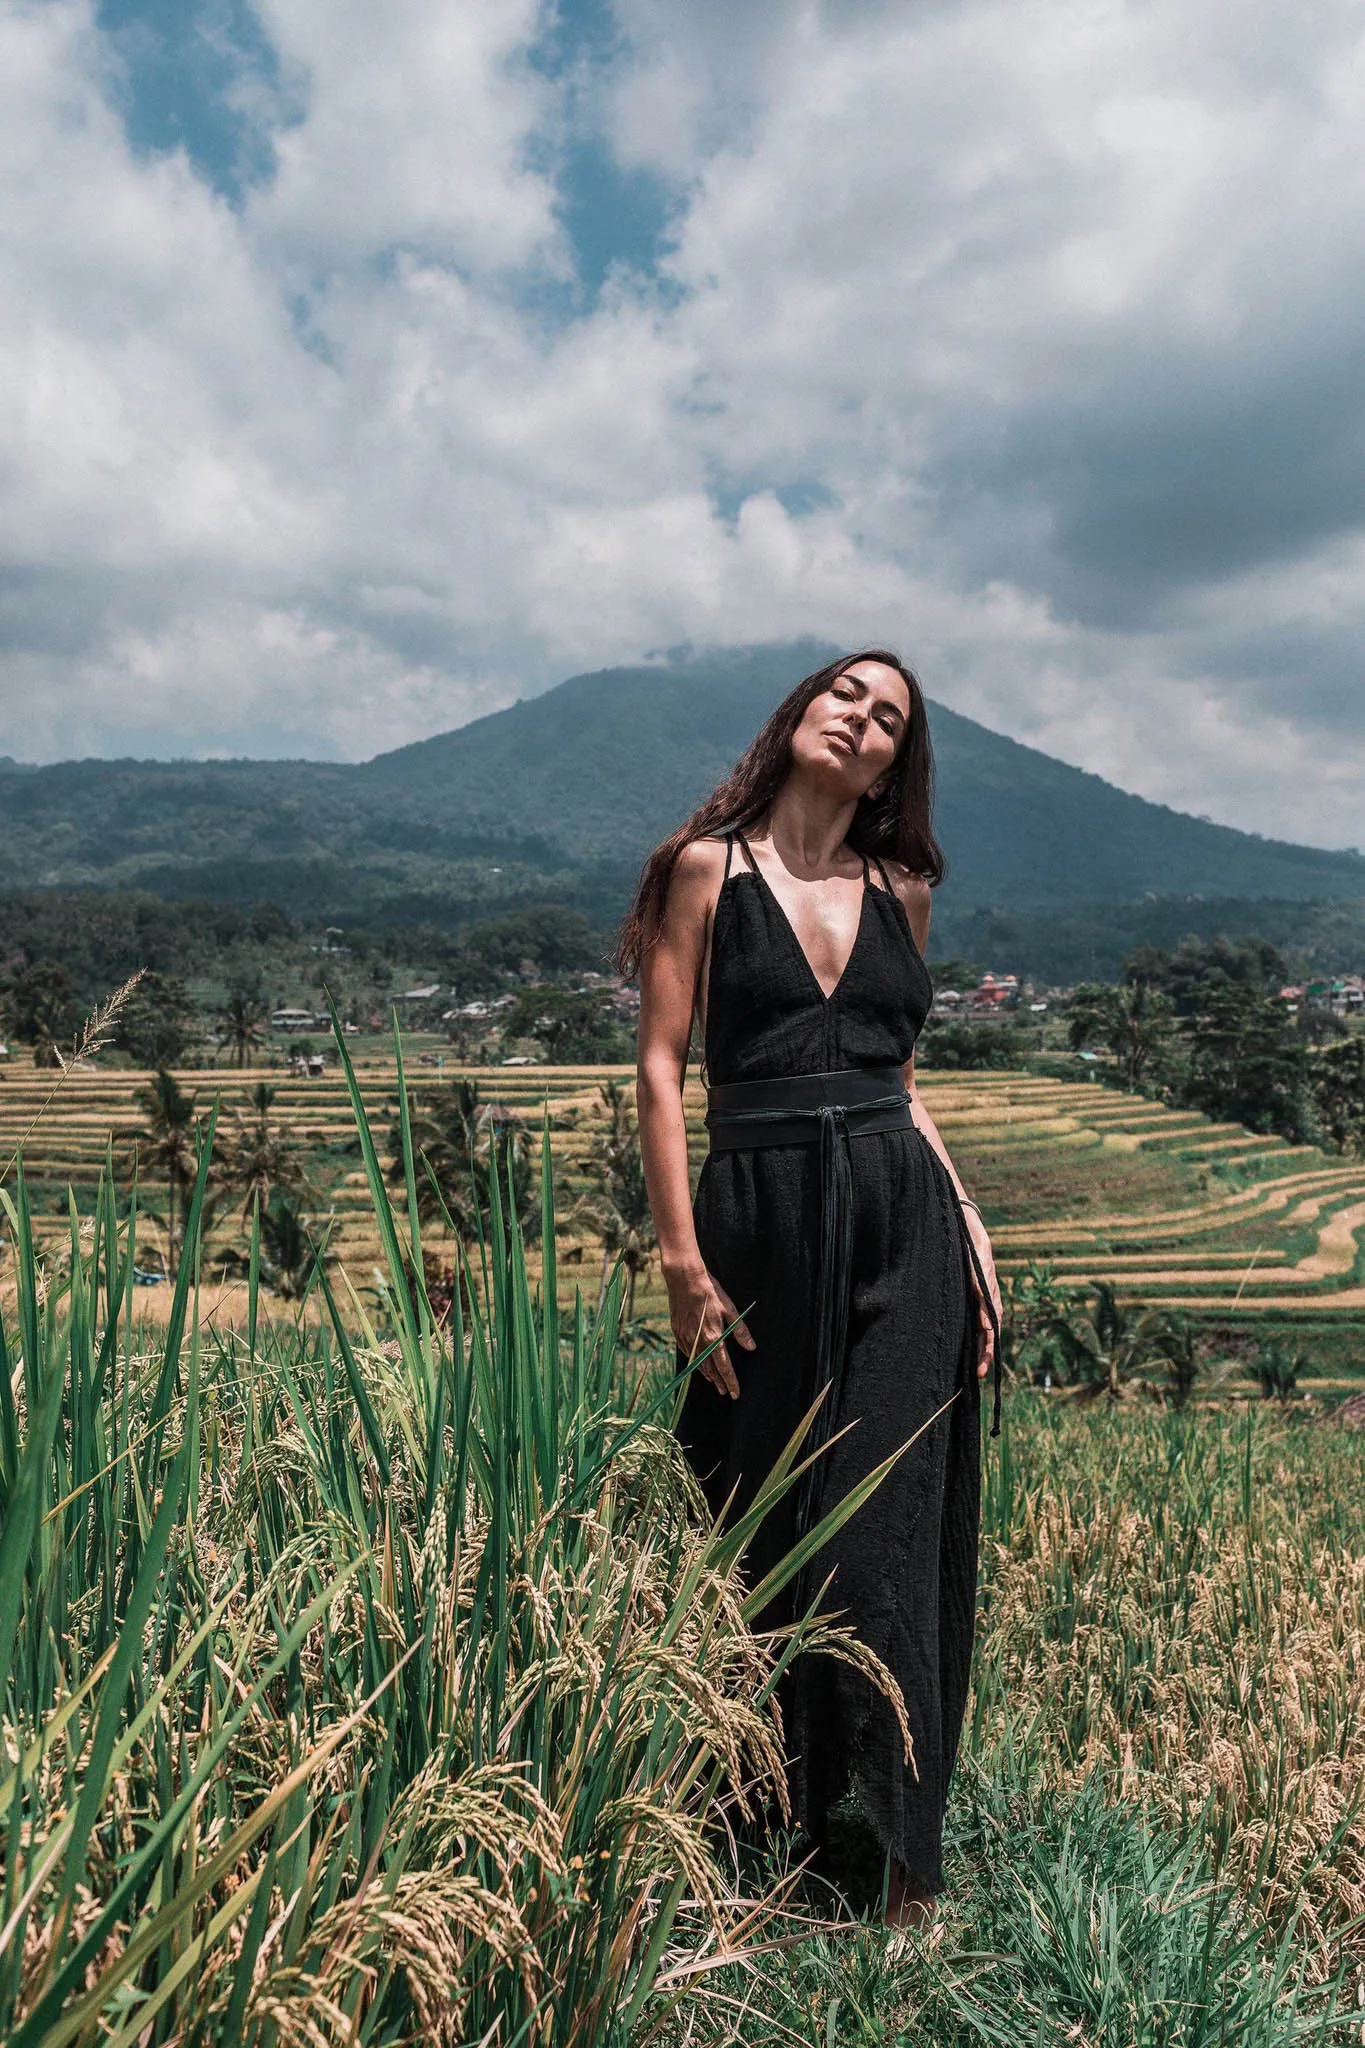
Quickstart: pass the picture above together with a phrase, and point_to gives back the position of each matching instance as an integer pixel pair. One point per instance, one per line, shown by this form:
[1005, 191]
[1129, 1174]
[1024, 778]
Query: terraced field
[1168, 1206]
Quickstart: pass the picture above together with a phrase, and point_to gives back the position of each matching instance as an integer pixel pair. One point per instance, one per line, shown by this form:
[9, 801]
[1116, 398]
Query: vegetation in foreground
[379, 1682]
[359, 1684]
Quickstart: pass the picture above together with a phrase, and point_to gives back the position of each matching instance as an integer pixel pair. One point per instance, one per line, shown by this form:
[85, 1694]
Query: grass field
[373, 1684]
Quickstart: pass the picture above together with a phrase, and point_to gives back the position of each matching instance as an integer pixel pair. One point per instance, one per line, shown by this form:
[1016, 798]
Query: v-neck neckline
[815, 982]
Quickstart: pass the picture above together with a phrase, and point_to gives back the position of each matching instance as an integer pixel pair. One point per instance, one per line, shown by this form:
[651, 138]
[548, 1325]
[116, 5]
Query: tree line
[61, 953]
[1205, 1027]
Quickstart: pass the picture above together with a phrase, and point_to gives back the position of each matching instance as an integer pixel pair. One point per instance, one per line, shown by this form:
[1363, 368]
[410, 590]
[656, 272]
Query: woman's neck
[808, 827]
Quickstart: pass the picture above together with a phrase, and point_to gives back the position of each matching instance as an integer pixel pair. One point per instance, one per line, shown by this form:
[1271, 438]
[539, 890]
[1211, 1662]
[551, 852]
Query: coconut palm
[1133, 1020]
[264, 1157]
[1109, 1345]
[444, 1123]
[241, 1025]
[1176, 1362]
[289, 1253]
[459, 1141]
[169, 1144]
[1035, 1302]
[1279, 1367]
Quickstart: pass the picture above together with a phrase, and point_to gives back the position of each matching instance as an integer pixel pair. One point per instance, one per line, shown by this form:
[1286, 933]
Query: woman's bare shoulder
[913, 890]
[697, 873]
[700, 859]
[915, 894]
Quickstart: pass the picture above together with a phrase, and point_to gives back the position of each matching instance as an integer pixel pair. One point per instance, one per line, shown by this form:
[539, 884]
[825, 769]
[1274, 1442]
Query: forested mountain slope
[557, 798]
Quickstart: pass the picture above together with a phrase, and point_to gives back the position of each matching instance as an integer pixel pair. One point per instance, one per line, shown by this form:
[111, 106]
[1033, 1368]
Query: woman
[789, 916]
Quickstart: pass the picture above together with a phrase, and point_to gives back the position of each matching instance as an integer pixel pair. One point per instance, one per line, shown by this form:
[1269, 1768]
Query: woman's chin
[833, 774]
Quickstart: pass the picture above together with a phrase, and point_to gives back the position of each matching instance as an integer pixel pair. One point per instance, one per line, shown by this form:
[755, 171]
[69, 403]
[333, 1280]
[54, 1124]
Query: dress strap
[748, 850]
[886, 879]
[729, 850]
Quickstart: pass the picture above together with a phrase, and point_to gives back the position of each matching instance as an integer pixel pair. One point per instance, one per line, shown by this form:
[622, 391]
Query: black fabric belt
[829, 1110]
[799, 1108]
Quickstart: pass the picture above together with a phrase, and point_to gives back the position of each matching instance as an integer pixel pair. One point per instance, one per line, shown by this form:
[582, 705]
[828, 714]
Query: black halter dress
[905, 1565]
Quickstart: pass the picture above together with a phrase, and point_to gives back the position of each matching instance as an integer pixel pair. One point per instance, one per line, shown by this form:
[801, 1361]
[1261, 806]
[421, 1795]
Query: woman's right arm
[699, 1308]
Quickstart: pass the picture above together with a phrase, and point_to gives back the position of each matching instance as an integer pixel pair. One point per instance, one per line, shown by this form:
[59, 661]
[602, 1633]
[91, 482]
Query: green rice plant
[1093, 1921]
[1083, 1920]
[368, 1680]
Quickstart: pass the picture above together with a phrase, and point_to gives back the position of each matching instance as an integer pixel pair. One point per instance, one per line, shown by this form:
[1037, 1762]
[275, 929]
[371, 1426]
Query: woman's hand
[699, 1309]
[986, 1338]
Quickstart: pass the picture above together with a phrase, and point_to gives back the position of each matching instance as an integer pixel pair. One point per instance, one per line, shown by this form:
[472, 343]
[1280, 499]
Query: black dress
[905, 1565]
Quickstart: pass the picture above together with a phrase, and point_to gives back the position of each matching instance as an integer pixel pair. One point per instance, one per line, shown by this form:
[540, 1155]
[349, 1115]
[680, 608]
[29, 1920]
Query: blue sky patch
[202, 76]
[611, 215]
[803, 495]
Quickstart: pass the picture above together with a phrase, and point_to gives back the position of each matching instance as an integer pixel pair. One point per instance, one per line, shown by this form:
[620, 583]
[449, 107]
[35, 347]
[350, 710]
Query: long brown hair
[898, 823]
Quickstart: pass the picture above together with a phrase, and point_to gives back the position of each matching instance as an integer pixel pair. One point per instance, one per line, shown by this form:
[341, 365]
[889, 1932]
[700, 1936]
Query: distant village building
[1343, 995]
[995, 991]
[293, 1020]
[991, 996]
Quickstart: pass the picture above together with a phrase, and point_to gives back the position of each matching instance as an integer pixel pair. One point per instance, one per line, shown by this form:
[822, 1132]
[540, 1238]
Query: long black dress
[905, 1565]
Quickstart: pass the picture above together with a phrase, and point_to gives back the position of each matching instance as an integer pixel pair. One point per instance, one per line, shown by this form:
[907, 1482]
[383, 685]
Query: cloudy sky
[364, 368]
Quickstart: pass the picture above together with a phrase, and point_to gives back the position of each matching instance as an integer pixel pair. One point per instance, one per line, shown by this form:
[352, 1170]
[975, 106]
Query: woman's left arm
[914, 893]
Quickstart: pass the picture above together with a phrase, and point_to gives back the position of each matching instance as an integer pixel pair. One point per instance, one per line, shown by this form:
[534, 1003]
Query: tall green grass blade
[802, 1552]
[24, 1513]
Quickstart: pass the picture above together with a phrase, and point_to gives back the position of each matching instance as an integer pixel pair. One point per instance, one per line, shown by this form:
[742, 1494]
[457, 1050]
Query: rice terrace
[370, 1674]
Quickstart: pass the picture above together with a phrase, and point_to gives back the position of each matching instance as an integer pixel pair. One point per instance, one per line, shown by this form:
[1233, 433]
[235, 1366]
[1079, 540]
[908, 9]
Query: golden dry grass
[1178, 1601]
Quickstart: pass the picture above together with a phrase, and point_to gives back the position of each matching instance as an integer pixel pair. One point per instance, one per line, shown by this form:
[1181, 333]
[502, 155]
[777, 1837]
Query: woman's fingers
[987, 1340]
[730, 1314]
[709, 1316]
[718, 1369]
[723, 1379]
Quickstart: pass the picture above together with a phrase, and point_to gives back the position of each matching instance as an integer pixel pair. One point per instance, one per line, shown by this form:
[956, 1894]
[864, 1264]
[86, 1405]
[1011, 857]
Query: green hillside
[557, 798]
[605, 763]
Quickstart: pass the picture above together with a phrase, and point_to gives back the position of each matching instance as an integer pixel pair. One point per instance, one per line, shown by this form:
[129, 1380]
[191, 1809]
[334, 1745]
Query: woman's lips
[841, 739]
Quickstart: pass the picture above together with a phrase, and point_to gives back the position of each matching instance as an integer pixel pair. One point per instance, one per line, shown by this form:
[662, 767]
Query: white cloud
[1050, 313]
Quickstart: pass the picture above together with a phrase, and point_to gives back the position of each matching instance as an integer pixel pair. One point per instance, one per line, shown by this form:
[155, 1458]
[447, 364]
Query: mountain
[606, 763]
[558, 798]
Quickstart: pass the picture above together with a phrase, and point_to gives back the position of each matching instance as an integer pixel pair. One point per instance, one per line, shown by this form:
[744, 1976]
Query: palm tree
[1177, 1361]
[169, 1143]
[1279, 1367]
[264, 1157]
[288, 1252]
[464, 1141]
[1108, 1345]
[1035, 1302]
[444, 1124]
[617, 1204]
[1133, 1020]
[504, 1151]
[242, 1025]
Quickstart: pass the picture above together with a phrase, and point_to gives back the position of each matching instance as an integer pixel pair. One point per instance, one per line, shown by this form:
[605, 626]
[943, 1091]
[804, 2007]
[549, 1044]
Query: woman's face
[851, 733]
